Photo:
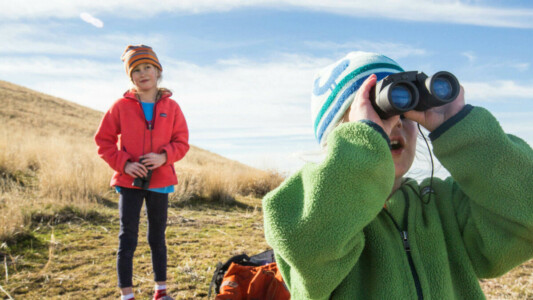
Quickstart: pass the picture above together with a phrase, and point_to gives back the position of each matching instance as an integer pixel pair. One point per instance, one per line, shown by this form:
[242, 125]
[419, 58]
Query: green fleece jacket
[334, 240]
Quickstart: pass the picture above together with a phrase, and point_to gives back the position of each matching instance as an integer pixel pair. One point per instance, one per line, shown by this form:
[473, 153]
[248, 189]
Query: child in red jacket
[152, 134]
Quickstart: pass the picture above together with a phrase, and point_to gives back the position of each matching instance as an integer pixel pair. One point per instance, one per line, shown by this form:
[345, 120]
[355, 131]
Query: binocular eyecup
[413, 90]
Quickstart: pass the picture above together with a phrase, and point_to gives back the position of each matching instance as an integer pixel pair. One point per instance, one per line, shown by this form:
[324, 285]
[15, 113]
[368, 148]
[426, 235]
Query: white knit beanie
[336, 85]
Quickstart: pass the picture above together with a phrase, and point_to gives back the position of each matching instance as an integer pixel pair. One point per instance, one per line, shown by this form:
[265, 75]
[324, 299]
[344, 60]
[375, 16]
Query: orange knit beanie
[135, 55]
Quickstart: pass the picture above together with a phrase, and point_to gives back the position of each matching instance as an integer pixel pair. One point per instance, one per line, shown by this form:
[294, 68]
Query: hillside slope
[49, 156]
[44, 114]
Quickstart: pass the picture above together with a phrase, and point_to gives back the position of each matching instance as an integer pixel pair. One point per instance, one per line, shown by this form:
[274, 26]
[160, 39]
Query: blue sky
[242, 70]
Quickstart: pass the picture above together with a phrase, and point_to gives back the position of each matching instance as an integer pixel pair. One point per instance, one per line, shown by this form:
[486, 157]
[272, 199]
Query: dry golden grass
[48, 160]
[40, 172]
[58, 218]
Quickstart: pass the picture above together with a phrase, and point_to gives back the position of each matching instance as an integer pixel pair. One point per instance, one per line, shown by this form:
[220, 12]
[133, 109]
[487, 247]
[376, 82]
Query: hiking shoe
[166, 298]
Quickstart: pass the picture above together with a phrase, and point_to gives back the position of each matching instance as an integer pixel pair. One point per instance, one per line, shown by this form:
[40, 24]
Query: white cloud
[48, 39]
[250, 98]
[273, 95]
[444, 11]
[497, 91]
[520, 66]
[92, 20]
[471, 56]
[488, 65]
[399, 50]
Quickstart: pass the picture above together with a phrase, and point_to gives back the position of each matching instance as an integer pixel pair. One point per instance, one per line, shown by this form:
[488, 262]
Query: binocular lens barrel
[442, 88]
[401, 96]
[401, 92]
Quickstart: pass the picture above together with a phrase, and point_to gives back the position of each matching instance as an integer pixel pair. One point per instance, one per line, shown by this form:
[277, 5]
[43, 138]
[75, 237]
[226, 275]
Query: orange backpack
[249, 278]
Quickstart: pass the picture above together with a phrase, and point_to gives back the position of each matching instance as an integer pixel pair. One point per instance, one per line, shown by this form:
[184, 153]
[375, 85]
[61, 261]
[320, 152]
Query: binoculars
[143, 182]
[413, 90]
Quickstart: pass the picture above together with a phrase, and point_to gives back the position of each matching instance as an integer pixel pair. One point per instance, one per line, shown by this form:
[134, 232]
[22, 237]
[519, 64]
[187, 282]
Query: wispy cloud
[44, 39]
[272, 95]
[399, 50]
[521, 66]
[92, 20]
[440, 11]
[471, 56]
[497, 91]
[443, 11]
[489, 64]
[267, 98]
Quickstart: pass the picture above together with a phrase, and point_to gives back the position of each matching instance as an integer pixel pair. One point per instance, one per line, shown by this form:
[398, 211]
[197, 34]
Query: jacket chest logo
[164, 115]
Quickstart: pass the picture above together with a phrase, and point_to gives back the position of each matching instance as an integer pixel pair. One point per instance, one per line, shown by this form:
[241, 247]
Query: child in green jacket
[352, 227]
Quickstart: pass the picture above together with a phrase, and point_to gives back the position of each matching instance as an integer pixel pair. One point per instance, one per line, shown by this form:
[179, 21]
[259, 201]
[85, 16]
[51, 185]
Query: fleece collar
[132, 94]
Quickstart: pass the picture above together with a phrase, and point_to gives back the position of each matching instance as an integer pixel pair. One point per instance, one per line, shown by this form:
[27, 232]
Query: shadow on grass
[203, 203]
[106, 202]
[21, 243]
[68, 214]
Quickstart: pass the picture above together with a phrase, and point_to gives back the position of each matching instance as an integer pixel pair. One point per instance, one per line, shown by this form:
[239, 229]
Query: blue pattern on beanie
[349, 91]
[331, 99]
[330, 83]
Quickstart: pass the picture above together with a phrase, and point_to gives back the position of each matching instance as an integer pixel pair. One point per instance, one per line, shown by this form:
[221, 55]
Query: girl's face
[403, 145]
[144, 77]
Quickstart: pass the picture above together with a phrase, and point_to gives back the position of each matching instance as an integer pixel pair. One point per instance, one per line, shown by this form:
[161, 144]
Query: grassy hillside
[59, 217]
[49, 157]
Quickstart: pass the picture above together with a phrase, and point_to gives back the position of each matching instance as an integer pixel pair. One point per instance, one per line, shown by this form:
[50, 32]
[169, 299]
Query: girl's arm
[314, 221]
[106, 138]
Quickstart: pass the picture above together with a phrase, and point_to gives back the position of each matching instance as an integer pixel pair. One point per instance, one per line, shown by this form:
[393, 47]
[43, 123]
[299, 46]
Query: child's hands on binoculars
[135, 169]
[435, 116]
[362, 109]
[154, 160]
[146, 162]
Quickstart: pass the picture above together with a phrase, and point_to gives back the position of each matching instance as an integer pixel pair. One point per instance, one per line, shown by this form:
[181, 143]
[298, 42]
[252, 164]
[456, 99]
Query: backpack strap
[221, 269]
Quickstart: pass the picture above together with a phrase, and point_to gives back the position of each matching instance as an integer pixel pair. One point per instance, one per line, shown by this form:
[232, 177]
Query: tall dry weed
[223, 184]
[189, 187]
[71, 171]
[11, 214]
[39, 171]
[257, 183]
[49, 170]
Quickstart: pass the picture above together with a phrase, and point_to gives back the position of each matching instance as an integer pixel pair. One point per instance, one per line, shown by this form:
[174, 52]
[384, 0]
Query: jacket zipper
[407, 247]
[149, 124]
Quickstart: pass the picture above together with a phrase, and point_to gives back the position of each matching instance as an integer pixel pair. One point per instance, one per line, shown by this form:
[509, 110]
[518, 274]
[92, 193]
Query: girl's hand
[135, 169]
[434, 117]
[362, 109]
[154, 160]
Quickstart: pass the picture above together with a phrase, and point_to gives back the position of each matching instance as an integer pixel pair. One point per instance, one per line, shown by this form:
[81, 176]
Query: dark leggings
[130, 204]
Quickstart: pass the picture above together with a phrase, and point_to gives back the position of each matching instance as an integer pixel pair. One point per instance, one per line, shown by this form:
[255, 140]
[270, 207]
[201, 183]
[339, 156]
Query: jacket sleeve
[179, 142]
[314, 221]
[492, 190]
[106, 138]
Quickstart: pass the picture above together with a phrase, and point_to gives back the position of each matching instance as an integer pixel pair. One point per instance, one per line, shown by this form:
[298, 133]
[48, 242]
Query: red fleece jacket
[126, 124]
